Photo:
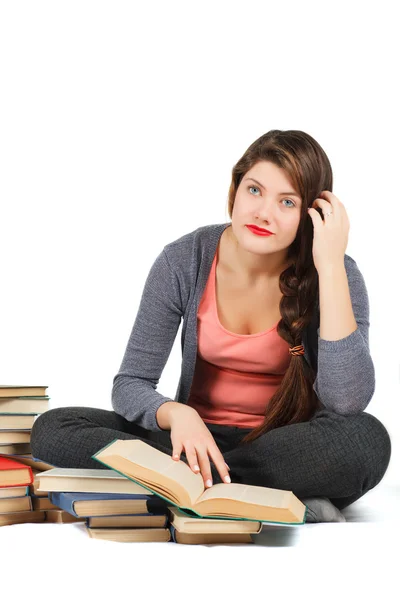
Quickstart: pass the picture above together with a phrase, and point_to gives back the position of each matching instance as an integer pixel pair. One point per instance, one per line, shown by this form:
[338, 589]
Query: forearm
[345, 380]
[337, 319]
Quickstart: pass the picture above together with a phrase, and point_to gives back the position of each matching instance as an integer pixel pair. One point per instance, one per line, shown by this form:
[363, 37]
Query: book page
[151, 459]
[250, 494]
[228, 491]
[70, 472]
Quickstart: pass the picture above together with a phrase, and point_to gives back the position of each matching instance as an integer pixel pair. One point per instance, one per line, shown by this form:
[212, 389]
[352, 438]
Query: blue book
[81, 504]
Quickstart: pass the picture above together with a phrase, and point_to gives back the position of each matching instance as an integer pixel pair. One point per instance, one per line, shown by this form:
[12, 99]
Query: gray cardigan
[345, 380]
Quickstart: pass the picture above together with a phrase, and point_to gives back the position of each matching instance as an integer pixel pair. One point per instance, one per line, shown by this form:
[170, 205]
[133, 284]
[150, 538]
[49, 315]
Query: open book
[175, 482]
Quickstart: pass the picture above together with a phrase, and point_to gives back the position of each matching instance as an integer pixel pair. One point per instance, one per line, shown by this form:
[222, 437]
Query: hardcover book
[97, 505]
[174, 481]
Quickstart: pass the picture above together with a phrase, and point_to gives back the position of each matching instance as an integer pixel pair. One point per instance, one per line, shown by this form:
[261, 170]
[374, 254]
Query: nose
[265, 210]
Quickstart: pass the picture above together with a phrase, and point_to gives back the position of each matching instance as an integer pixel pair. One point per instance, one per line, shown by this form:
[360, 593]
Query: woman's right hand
[190, 434]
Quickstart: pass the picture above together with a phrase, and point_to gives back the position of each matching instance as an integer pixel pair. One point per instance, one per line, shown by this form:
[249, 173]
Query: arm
[134, 394]
[345, 380]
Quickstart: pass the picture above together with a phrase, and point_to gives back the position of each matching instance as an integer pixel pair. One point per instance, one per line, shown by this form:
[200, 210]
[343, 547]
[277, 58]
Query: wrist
[166, 412]
[333, 262]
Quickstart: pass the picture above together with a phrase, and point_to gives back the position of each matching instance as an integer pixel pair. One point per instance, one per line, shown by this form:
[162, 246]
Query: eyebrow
[281, 194]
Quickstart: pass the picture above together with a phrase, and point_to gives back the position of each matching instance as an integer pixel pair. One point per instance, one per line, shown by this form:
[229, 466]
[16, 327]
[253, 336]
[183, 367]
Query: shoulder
[194, 245]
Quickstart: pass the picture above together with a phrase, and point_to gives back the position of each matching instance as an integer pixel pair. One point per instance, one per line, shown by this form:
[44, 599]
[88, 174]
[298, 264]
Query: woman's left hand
[331, 233]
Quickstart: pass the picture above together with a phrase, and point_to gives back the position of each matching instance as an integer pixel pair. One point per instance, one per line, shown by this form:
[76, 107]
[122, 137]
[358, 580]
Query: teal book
[175, 482]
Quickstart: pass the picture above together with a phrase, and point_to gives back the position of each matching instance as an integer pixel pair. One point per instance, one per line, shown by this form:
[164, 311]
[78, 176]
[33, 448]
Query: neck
[253, 267]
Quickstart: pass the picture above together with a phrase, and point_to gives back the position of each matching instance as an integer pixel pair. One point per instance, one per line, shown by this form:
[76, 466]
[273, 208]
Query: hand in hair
[331, 233]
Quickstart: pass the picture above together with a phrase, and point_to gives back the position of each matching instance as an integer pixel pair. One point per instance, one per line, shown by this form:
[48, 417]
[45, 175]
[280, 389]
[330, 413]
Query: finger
[220, 464]
[204, 461]
[192, 459]
[331, 197]
[315, 218]
[318, 222]
[176, 450]
[324, 204]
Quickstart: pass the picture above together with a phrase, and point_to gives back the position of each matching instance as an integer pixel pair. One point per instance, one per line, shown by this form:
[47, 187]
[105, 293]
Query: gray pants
[337, 456]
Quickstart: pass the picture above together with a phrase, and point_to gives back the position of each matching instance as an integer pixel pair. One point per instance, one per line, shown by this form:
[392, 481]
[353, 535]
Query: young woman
[276, 368]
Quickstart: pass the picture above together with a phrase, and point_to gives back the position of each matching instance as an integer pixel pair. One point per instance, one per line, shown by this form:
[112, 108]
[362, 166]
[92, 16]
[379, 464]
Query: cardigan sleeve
[134, 394]
[345, 381]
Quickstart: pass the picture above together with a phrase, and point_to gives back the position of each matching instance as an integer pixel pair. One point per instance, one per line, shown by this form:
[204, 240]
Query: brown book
[34, 487]
[131, 535]
[20, 449]
[130, 521]
[22, 390]
[16, 421]
[175, 482]
[186, 524]
[212, 538]
[9, 505]
[42, 504]
[61, 516]
[14, 518]
[15, 437]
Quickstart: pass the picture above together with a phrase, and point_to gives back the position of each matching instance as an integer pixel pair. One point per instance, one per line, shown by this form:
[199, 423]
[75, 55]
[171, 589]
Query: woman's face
[270, 202]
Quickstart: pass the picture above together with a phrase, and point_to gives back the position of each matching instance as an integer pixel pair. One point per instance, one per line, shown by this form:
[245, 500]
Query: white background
[120, 123]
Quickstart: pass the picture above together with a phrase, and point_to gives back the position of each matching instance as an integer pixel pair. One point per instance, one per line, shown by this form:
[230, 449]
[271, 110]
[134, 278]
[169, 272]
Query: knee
[375, 448]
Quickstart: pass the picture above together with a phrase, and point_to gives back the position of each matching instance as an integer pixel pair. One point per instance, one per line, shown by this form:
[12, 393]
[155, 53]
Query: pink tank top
[235, 374]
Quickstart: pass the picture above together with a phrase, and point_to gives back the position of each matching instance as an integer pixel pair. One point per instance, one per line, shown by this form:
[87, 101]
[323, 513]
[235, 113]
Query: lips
[259, 229]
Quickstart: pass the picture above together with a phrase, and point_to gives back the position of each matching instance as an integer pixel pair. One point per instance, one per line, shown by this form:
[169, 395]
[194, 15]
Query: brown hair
[309, 171]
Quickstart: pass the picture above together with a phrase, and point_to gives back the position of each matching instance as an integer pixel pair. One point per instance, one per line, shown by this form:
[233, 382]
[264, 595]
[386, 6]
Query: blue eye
[256, 188]
[289, 200]
[252, 187]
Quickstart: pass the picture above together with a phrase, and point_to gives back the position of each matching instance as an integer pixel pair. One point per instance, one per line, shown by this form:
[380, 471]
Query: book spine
[172, 530]
[63, 502]
[155, 506]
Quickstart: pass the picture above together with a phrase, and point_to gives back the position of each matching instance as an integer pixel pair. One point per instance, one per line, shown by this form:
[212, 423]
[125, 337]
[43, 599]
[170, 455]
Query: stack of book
[42, 502]
[15, 502]
[111, 506]
[116, 508]
[19, 407]
[224, 513]
[186, 529]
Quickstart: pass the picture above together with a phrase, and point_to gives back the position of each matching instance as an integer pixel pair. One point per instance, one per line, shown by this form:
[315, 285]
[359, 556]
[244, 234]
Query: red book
[13, 473]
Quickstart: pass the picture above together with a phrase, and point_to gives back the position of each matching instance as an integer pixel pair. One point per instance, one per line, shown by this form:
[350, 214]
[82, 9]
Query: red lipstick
[258, 230]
